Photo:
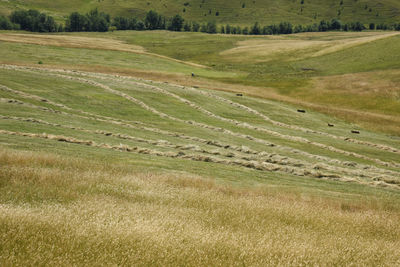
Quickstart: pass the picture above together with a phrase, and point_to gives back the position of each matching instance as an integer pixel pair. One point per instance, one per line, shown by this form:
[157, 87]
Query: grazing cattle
[239, 94]
[301, 111]
[192, 74]
[330, 125]
[355, 132]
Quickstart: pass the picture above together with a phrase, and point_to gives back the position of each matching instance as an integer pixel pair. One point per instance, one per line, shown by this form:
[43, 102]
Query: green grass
[265, 12]
[302, 68]
[22, 53]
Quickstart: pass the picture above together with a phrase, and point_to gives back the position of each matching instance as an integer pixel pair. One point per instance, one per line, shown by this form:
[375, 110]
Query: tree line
[35, 21]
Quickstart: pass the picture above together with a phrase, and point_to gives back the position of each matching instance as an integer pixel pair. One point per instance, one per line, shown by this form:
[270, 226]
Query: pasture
[112, 154]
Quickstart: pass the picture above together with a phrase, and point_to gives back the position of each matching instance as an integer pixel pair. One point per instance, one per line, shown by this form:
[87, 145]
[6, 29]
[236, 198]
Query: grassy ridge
[234, 12]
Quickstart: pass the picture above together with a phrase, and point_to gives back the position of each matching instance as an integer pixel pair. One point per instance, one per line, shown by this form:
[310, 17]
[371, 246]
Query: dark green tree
[323, 26]
[187, 27]
[228, 29]
[372, 26]
[211, 27]
[255, 30]
[153, 20]
[76, 23]
[177, 23]
[335, 24]
[5, 23]
[195, 26]
[285, 28]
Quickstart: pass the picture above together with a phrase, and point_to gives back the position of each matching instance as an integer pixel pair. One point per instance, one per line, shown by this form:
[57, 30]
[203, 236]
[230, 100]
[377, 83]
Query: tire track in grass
[142, 104]
[299, 166]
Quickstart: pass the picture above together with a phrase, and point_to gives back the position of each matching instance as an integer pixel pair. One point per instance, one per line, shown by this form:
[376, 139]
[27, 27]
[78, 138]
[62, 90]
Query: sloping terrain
[117, 176]
[156, 107]
[238, 12]
[111, 153]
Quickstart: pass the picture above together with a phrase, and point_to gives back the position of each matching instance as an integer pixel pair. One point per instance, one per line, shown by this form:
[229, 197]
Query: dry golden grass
[347, 43]
[61, 211]
[267, 49]
[71, 41]
[83, 42]
[378, 83]
[258, 50]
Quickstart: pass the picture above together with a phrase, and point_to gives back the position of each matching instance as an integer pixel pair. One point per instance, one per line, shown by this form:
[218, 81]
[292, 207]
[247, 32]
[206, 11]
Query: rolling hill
[160, 168]
[238, 12]
[158, 148]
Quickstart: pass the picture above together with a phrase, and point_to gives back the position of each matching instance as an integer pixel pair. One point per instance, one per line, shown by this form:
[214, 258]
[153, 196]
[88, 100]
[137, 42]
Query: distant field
[238, 12]
[111, 153]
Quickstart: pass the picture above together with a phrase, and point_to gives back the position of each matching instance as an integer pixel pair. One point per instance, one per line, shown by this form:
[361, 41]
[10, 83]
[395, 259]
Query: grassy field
[66, 211]
[238, 12]
[301, 69]
[112, 154]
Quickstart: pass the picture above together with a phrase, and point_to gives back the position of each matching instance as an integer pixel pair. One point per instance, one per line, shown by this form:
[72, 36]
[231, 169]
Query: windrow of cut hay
[235, 104]
[115, 121]
[347, 163]
[235, 122]
[262, 166]
[277, 160]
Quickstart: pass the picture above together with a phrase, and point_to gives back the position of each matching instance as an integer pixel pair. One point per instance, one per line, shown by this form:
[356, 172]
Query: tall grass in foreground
[62, 211]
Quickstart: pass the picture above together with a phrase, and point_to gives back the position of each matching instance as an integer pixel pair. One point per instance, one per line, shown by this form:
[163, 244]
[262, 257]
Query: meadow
[111, 153]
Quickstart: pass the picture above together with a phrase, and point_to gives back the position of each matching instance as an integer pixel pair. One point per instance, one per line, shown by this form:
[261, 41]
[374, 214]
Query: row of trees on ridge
[33, 20]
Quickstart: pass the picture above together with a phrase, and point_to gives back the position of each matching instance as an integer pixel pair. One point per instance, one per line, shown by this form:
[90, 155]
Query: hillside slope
[106, 170]
[239, 12]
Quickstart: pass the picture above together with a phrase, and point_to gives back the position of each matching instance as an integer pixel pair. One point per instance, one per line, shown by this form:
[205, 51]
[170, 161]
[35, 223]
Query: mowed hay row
[264, 166]
[295, 127]
[261, 129]
[113, 215]
[262, 141]
[159, 143]
[280, 124]
[128, 124]
[284, 166]
[237, 123]
[150, 84]
[125, 79]
[253, 160]
[257, 156]
[274, 133]
[59, 105]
